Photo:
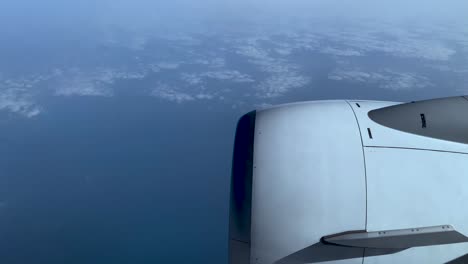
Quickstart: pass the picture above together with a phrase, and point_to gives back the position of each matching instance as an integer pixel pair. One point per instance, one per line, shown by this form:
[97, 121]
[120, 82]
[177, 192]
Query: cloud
[253, 65]
[263, 106]
[386, 79]
[170, 93]
[18, 101]
[447, 68]
[341, 52]
[278, 85]
[95, 82]
[287, 42]
[283, 75]
[255, 54]
[231, 75]
[83, 87]
[169, 65]
[205, 96]
[223, 75]
[284, 51]
[367, 38]
[355, 75]
[212, 62]
[17, 95]
[392, 39]
[192, 78]
[181, 94]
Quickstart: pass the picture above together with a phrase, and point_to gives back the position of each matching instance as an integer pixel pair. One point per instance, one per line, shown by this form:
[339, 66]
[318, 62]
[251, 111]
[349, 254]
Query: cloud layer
[249, 66]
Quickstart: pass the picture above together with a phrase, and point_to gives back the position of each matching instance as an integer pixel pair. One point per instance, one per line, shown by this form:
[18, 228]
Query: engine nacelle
[339, 181]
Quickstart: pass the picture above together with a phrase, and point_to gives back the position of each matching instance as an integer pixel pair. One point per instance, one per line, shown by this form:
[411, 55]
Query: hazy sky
[26, 14]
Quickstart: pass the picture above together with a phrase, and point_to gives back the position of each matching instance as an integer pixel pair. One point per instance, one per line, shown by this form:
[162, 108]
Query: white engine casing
[312, 169]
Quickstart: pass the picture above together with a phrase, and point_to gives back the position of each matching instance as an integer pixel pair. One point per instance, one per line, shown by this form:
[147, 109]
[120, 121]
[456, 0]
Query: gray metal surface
[445, 118]
[384, 136]
[239, 252]
[399, 239]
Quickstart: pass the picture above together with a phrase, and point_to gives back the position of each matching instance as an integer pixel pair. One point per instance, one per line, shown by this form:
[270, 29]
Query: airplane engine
[351, 182]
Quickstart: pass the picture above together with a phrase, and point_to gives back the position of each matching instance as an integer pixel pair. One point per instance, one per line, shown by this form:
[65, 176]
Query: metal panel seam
[423, 149]
[363, 155]
[363, 255]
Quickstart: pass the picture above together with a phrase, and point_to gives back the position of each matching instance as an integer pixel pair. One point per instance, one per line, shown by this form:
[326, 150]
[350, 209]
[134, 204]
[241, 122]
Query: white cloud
[18, 101]
[283, 75]
[218, 62]
[386, 79]
[16, 95]
[170, 93]
[224, 75]
[263, 106]
[392, 39]
[204, 96]
[83, 87]
[286, 43]
[96, 82]
[169, 65]
[273, 57]
[429, 41]
[154, 68]
[277, 85]
[406, 81]
[340, 52]
[284, 51]
[232, 75]
[179, 94]
[192, 78]
[446, 68]
[254, 53]
[355, 75]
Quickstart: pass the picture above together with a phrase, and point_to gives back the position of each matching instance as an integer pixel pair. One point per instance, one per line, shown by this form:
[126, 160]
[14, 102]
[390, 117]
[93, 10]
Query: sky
[147, 14]
[118, 117]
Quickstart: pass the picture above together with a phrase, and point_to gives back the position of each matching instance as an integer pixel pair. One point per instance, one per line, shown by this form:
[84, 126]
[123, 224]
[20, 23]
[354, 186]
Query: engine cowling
[305, 172]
